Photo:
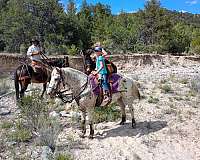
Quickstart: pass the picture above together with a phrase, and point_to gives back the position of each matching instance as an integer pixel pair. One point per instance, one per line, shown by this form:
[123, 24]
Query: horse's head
[56, 79]
[90, 63]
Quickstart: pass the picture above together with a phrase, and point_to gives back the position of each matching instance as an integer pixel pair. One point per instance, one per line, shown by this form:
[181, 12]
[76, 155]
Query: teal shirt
[98, 60]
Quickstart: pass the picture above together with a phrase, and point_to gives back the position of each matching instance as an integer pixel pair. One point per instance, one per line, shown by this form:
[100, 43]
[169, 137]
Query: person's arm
[29, 52]
[104, 52]
[101, 67]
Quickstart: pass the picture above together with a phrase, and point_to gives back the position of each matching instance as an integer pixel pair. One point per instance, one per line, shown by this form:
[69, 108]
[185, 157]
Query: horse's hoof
[133, 123]
[91, 137]
[41, 97]
[134, 126]
[82, 136]
[123, 120]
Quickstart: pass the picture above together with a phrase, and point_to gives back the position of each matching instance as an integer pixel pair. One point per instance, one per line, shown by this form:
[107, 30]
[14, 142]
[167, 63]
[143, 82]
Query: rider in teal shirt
[103, 73]
[98, 64]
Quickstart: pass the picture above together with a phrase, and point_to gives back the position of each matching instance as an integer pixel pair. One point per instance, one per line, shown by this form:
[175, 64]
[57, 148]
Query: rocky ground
[168, 126]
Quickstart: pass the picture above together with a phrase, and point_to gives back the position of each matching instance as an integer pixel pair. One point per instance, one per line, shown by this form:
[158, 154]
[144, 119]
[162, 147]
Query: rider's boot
[107, 97]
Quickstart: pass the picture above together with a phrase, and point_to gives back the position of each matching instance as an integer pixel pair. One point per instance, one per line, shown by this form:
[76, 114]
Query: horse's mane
[74, 74]
[74, 71]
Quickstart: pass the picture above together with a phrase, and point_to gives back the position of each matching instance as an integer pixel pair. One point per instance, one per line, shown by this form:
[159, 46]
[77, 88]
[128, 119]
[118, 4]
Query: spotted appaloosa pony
[83, 92]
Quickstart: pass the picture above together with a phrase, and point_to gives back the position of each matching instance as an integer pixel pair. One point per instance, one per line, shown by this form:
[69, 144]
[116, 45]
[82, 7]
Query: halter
[64, 97]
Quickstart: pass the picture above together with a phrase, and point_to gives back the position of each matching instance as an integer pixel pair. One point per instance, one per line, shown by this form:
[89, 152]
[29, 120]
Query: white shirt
[32, 49]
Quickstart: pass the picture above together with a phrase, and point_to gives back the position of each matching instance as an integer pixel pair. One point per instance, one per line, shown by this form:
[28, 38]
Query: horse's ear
[81, 53]
[57, 69]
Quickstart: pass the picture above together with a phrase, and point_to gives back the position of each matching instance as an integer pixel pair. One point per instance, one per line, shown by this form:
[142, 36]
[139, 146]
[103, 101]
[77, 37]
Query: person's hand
[35, 53]
[94, 73]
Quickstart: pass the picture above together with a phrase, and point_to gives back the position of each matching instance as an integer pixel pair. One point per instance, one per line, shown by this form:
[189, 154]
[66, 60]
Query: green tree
[101, 20]
[71, 7]
[195, 42]
[85, 21]
[155, 30]
[180, 38]
[25, 19]
[123, 32]
[150, 16]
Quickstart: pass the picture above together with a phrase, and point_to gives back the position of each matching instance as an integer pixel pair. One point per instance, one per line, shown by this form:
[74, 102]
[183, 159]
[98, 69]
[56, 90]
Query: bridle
[65, 97]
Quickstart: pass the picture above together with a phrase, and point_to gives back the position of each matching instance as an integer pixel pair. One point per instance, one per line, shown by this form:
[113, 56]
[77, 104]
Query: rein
[64, 97]
[45, 58]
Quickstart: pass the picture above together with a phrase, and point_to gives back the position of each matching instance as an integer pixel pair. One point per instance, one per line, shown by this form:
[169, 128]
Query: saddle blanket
[113, 80]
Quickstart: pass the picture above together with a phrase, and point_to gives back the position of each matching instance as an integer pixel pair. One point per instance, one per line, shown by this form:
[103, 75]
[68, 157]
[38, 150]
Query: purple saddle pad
[113, 79]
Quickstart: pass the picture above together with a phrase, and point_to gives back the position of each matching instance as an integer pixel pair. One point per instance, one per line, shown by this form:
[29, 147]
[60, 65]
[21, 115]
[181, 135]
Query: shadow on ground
[142, 128]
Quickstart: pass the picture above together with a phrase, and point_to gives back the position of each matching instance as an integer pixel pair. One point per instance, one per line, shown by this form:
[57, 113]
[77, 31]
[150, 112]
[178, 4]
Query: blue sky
[192, 6]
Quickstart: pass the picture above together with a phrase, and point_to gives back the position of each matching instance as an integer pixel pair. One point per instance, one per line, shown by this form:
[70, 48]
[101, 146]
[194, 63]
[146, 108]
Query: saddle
[40, 72]
[97, 88]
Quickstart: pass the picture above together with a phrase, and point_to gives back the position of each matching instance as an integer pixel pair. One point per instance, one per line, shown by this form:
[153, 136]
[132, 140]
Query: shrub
[195, 45]
[64, 157]
[49, 130]
[23, 48]
[4, 87]
[21, 133]
[53, 49]
[32, 108]
[155, 48]
[109, 113]
[36, 113]
[195, 85]
[6, 125]
[166, 88]
[72, 50]
[153, 100]
[184, 81]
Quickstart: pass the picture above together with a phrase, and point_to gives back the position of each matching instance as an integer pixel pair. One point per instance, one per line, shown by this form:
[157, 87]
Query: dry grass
[4, 86]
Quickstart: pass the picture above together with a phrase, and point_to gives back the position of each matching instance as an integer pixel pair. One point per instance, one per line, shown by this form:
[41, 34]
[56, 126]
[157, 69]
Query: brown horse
[25, 75]
[90, 65]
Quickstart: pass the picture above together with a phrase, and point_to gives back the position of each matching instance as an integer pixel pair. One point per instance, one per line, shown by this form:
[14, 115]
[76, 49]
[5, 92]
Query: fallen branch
[11, 92]
[6, 94]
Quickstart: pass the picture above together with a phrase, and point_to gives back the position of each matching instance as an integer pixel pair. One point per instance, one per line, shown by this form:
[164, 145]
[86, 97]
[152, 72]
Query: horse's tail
[16, 80]
[135, 91]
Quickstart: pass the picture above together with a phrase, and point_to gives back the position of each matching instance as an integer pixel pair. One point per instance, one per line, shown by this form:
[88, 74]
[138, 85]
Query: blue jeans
[104, 82]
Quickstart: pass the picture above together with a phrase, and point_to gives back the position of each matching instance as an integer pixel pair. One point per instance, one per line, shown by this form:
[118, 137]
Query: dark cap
[34, 40]
[98, 49]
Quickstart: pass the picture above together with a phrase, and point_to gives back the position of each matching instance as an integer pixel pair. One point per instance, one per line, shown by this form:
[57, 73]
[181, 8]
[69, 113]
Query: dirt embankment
[9, 62]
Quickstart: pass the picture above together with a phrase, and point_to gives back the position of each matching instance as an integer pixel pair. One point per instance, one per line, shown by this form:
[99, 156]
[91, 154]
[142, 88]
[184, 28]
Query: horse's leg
[83, 124]
[122, 107]
[44, 89]
[24, 86]
[131, 109]
[17, 87]
[90, 118]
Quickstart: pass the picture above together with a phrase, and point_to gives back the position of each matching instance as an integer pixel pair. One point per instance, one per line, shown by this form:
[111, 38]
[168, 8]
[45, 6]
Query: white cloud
[134, 11]
[183, 11]
[192, 2]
